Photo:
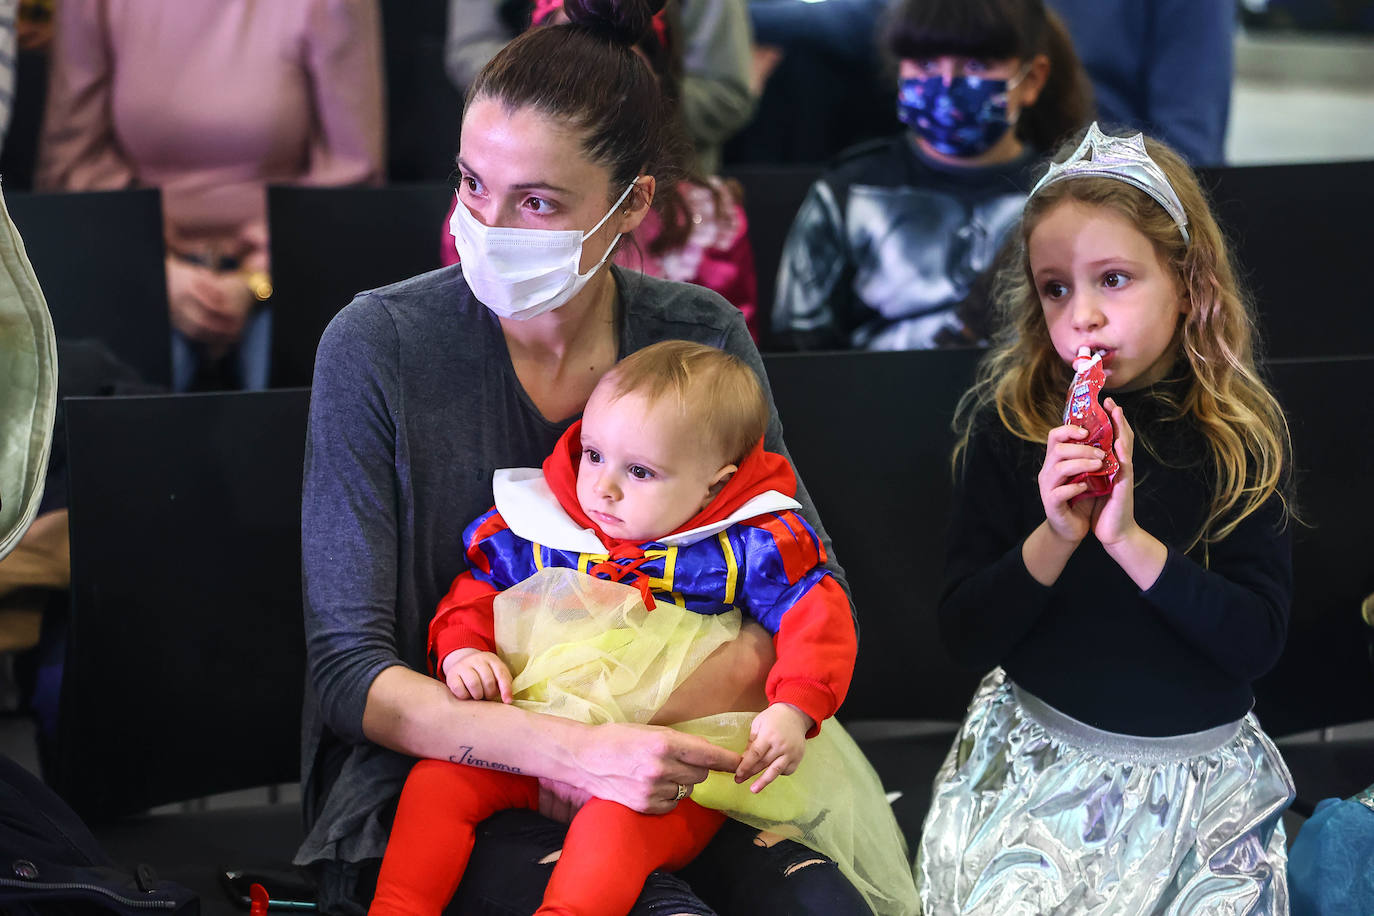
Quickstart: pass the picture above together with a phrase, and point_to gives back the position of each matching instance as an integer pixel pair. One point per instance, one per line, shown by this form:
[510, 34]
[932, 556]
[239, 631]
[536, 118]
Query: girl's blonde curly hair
[1024, 379]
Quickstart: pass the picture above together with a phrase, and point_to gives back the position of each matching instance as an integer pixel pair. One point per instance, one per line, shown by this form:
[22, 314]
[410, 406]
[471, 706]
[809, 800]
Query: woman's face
[522, 169]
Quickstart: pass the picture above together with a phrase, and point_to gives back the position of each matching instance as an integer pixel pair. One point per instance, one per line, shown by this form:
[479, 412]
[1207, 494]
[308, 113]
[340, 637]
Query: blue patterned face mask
[964, 119]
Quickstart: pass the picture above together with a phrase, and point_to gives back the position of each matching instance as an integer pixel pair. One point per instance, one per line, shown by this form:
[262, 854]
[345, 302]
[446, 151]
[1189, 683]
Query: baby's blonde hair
[1024, 378]
[715, 391]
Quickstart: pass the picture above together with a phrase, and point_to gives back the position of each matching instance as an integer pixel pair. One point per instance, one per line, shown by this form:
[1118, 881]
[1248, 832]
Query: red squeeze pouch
[1083, 409]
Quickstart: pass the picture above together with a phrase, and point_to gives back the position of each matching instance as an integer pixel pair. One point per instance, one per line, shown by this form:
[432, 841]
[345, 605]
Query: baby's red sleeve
[789, 591]
[816, 646]
[464, 619]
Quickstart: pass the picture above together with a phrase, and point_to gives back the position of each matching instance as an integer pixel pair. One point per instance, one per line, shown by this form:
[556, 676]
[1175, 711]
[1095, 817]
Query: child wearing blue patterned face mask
[969, 69]
[890, 249]
[970, 113]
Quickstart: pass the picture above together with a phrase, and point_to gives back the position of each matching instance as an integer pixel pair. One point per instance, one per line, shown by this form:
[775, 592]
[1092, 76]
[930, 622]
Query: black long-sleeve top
[1178, 657]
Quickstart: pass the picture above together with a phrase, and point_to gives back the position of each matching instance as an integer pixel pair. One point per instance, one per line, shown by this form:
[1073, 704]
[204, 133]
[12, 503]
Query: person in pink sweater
[211, 102]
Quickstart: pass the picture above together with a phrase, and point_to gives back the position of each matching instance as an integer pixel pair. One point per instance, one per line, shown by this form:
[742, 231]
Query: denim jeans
[250, 358]
[735, 876]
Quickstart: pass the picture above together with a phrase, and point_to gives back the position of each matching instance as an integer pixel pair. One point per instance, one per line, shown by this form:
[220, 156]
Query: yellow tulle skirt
[586, 649]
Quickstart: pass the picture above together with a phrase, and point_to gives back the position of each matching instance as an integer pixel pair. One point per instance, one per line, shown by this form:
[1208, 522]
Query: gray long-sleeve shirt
[415, 404]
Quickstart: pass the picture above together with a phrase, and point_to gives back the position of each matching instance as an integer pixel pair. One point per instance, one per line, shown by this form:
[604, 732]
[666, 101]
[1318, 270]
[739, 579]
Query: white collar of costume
[526, 502]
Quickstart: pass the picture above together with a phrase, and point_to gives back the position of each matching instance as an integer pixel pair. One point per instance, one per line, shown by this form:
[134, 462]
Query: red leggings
[609, 852]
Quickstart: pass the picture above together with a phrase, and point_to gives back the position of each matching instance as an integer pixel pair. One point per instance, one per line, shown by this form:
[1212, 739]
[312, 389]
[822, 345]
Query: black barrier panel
[772, 197]
[1300, 234]
[185, 657]
[870, 434]
[99, 258]
[329, 244]
[185, 664]
[1325, 676]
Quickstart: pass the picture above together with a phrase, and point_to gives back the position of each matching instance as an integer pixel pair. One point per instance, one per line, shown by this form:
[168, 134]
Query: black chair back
[185, 656]
[1296, 231]
[1325, 676]
[99, 258]
[424, 110]
[870, 435]
[329, 244]
[772, 197]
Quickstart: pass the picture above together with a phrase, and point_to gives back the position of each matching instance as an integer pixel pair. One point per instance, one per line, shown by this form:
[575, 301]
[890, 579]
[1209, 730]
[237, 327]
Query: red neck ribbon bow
[624, 560]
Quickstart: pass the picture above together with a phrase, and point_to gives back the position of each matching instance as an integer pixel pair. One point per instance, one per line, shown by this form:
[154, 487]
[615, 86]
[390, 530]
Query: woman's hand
[643, 766]
[560, 801]
[207, 306]
[638, 766]
[1066, 458]
[763, 60]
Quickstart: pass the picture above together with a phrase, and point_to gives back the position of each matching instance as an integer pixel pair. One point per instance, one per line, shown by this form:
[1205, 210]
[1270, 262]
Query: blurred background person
[1162, 67]
[28, 83]
[210, 102]
[890, 247]
[715, 46]
[819, 79]
[9, 46]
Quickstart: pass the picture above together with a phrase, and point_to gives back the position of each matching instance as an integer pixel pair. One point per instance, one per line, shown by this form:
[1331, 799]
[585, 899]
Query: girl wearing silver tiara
[1110, 762]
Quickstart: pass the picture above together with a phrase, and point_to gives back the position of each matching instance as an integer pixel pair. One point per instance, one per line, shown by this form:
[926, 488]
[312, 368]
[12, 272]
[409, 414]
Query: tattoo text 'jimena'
[466, 757]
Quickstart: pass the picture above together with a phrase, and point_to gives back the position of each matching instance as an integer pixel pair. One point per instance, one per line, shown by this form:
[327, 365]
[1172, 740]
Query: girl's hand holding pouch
[1114, 515]
[1067, 459]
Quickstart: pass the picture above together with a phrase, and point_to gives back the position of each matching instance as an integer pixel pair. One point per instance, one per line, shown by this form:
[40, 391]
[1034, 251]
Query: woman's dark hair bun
[622, 21]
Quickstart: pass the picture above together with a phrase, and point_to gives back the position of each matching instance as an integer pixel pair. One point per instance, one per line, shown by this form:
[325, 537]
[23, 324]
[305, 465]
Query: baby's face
[644, 471]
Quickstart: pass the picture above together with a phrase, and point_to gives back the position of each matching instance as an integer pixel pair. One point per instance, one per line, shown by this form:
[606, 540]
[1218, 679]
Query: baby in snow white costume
[599, 628]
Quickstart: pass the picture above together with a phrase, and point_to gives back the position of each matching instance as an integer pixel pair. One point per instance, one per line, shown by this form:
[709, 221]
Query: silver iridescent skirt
[1036, 812]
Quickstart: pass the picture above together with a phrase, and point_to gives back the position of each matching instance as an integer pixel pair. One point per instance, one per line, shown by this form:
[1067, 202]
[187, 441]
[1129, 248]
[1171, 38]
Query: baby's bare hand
[475, 675]
[777, 742]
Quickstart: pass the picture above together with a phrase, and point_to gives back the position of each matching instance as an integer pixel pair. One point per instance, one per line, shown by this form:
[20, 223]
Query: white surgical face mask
[523, 273]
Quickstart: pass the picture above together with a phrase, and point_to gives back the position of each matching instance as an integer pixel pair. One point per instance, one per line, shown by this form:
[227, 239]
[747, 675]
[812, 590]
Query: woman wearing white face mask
[519, 273]
[421, 391]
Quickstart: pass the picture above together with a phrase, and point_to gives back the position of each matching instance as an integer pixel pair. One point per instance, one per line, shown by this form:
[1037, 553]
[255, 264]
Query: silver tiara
[1123, 158]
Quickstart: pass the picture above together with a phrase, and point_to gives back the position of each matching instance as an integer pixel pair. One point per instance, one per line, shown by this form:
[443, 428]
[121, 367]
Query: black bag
[50, 864]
